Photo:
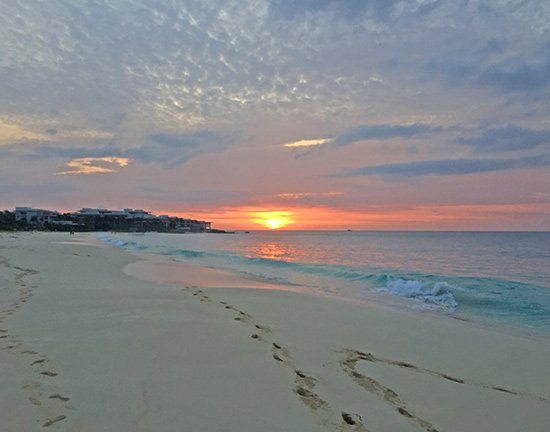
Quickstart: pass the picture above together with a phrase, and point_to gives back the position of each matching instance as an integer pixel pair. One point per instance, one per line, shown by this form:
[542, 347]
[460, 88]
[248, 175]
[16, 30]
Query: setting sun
[275, 223]
[273, 219]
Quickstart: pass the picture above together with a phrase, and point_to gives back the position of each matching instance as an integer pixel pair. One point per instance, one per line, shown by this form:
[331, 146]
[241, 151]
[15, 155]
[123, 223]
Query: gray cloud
[447, 167]
[74, 152]
[378, 132]
[507, 138]
[350, 9]
[520, 74]
[175, 149]
[187, 63]
[37, 150]
[167, 149]
[498, 63]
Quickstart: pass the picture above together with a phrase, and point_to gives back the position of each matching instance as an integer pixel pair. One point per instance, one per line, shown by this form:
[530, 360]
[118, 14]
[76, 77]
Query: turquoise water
[488, 276]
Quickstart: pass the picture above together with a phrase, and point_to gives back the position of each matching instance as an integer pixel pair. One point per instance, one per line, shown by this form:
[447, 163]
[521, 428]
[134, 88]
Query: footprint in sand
[276, 357]
[59, 397]
[370, 357]
[54, 420]
[34, 401]
[351, 419]
[373, 386]
[9, 347]
[263, 328]
[32, 386]
[304, 386]
[502, 389]
[35, 389]
[304, 380]
[280, 353]
[244, 317]
[311, 399]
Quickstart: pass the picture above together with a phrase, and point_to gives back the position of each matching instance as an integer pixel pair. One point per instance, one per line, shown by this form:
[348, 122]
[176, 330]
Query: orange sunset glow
[462, 217]
[273, 219]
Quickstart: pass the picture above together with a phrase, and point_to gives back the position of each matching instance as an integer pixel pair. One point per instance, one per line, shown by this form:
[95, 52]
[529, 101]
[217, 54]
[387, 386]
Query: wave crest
[437, 295]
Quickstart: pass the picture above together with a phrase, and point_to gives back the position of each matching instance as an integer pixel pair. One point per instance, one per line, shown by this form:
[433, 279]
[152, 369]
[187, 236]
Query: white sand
[137, 355]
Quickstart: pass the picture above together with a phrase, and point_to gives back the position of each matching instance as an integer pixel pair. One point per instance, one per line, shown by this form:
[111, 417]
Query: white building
[106, 213]
[35, 216]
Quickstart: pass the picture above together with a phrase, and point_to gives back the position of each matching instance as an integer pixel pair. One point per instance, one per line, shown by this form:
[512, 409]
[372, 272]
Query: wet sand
[93, 339]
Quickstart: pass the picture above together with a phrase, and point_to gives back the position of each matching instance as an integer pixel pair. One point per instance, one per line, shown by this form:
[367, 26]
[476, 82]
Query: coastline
[180, 350]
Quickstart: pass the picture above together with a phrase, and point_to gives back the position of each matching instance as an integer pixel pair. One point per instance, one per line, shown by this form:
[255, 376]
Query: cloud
[306, 195]
[383, 131]
[349, 9]
[95, 165]
[14, 134]
[446, 167]
[307, 143]
[175, 149]
[520, 74]
[507, 138]
[168, 149]
[498, 64]
[367, 133]
[38, 152]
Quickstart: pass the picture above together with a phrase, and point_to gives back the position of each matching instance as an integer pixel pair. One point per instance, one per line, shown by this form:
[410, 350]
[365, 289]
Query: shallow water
[488, 276]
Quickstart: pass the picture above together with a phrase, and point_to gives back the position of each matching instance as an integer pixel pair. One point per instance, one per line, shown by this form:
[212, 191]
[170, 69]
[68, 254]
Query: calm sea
[482, 276]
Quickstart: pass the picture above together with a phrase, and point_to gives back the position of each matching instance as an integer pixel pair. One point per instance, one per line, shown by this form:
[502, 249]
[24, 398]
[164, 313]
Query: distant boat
[247, 232]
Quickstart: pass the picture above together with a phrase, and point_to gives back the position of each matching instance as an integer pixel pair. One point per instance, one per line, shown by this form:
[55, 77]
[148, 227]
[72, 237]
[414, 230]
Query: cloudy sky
[374, 114]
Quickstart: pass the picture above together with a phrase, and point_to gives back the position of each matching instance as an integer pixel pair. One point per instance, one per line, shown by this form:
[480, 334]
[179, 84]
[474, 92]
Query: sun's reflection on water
[272, 250]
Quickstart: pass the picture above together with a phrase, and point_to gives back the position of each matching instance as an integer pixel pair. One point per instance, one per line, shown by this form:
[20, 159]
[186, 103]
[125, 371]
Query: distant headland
[100, 219]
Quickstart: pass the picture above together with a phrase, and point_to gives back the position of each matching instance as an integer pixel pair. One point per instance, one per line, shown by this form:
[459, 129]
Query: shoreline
[165, 270]
[140, 355]
[393, 285]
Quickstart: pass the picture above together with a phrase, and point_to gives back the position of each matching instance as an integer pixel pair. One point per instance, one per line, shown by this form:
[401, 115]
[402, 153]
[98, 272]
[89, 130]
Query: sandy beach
[93, 338]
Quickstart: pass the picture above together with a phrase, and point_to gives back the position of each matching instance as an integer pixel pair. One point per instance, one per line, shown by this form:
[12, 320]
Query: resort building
[126, 213]
[139, 216]
[192, 225]
[101, 219]
[35, 216]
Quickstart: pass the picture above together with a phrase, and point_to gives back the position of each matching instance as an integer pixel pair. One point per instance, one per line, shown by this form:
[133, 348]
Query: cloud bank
[447, 167]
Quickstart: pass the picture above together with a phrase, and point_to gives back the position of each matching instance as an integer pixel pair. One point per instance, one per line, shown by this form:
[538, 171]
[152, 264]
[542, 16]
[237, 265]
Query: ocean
[487, 277]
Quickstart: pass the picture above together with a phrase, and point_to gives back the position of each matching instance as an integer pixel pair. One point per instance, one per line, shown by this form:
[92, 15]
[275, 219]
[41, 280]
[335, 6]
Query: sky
[318, 114]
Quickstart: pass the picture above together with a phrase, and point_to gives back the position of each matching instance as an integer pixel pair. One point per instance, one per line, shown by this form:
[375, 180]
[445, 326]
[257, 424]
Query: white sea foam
[437, 296]
[115, 242]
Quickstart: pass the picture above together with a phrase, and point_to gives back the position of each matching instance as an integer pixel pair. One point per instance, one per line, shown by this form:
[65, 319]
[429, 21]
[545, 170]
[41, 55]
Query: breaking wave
[437, 295]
